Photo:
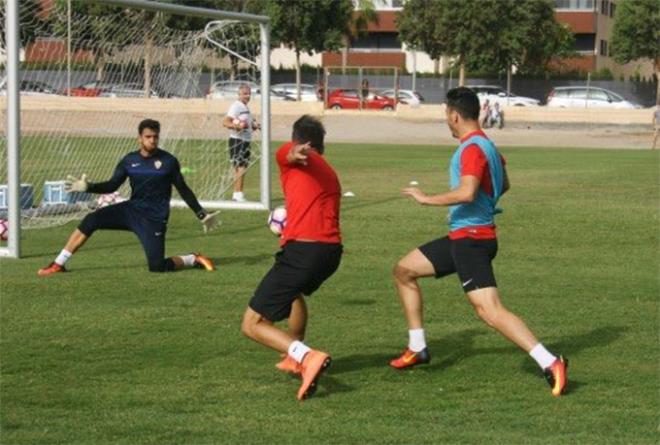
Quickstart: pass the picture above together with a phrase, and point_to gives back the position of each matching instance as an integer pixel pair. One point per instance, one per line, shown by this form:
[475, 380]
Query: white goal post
[90, 134]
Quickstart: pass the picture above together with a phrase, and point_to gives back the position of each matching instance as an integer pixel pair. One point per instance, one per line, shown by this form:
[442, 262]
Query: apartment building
[591, 22]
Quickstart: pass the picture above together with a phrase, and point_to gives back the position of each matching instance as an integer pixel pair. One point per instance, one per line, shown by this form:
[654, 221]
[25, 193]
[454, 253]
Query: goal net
[90, 72]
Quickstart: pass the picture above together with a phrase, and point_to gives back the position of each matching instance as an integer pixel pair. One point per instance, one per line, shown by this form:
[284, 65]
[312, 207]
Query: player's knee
[403, 274]
[489, 313]
[89, 224]
[247, 326]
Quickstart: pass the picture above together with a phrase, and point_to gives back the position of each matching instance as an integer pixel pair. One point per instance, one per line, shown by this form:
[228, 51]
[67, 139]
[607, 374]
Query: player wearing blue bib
[151, 172]
[478, 179]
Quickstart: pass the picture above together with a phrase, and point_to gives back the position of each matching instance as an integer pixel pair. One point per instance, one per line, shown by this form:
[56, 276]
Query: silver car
[495, 94]
[308, 92]
[583, 97]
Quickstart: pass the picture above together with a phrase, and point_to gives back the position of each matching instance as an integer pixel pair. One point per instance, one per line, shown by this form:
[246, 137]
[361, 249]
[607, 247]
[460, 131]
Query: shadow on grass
[328, 386]
[368, 203]
[572, 345]
[245, 259]
[359, 302]
[458, 344]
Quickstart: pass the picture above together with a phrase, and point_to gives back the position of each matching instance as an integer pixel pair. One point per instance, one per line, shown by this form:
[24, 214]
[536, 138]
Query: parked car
[89, 89]
[308, 92]
[408, 97]
[495, 94]
[228, 90]
[127, 90]
[29, 88]
[591, 97]
[350, 99]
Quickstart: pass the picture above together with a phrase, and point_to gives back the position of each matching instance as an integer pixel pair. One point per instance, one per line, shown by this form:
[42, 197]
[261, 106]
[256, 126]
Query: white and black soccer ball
[109, 199]
[277, 220]
[4, 230]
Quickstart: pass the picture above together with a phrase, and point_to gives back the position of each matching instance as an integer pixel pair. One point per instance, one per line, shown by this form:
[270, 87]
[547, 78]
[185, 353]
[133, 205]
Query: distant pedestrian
[485, 114]
[656, 124]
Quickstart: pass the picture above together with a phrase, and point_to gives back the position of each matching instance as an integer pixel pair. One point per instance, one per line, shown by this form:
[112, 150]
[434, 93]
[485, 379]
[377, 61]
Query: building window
[575, 4]
[612, 9]
[585, 43]
[605, 7]
[603, 48]
[377, 41]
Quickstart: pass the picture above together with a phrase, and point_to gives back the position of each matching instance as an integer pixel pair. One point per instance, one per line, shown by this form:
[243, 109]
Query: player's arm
[229, 122]
[464, 193]
[298, 153]
[81, 185]
[208, 220]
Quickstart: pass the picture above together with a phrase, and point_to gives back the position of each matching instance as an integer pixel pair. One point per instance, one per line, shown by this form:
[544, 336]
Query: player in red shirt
[311, 252]
[478, 178]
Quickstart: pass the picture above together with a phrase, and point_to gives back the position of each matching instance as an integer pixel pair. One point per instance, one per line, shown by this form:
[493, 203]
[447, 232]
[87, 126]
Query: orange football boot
[557, 376]
[51, 269]
[313, 365]
[288, 364]
[203, 262]
[410, 358]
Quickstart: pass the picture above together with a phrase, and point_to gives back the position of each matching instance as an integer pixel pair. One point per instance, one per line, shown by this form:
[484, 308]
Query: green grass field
[109, 353]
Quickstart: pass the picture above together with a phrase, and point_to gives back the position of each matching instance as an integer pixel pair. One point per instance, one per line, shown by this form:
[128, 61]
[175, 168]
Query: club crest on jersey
[158, 164]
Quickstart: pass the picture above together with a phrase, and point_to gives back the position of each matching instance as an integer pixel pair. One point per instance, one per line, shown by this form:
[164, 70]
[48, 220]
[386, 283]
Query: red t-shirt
[312, 197]
[475, 163]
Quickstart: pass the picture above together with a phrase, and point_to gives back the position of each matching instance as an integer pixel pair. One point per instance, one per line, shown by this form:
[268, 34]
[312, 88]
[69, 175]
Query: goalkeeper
[152, 172]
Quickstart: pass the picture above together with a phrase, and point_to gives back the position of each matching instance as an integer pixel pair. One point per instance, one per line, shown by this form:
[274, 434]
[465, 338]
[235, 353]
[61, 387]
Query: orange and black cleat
[411, 358]
[313, 365]
[557, 376]
[202, 262]
[288, 364]
[51, 269]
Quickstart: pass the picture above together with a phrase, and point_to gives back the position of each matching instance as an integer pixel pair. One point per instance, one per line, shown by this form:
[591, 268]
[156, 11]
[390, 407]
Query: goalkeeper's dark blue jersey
[151, 181]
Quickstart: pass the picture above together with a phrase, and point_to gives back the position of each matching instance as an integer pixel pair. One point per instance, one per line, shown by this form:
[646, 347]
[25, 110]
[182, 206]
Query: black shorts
[300, 268]
[123, 216]
[239, 152]
[470, 258]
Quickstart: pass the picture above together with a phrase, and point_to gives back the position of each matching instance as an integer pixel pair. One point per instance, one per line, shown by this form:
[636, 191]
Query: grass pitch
[110, 353]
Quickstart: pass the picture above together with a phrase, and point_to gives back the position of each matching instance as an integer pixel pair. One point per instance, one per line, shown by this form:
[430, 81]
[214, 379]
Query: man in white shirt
[241, 125]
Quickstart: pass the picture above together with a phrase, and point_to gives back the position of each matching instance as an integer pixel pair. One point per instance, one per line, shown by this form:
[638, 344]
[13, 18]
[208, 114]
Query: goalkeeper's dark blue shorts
[123, 216]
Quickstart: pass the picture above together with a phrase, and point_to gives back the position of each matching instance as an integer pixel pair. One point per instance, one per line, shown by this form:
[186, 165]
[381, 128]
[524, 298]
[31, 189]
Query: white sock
[237, 195]
[188, 260]
[63, 257]
[416, 340]
[542, 356]
[297, 350]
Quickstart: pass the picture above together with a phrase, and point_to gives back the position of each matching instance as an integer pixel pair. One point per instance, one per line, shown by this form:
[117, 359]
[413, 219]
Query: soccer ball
[4, 229]
[109, 199]
[277, 220]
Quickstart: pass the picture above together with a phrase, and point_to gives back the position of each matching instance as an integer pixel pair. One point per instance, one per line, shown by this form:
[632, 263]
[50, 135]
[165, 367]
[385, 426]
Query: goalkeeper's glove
[208, 220]
[73, 184]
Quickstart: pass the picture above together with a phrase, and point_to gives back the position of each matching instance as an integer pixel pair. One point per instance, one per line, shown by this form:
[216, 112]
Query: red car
[350, 100]
[89, 89]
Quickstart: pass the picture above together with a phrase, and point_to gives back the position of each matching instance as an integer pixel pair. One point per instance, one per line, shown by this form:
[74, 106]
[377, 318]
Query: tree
[440, 27]
[486, 33]
[101, 29]
[309, 25]
[636, 34]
